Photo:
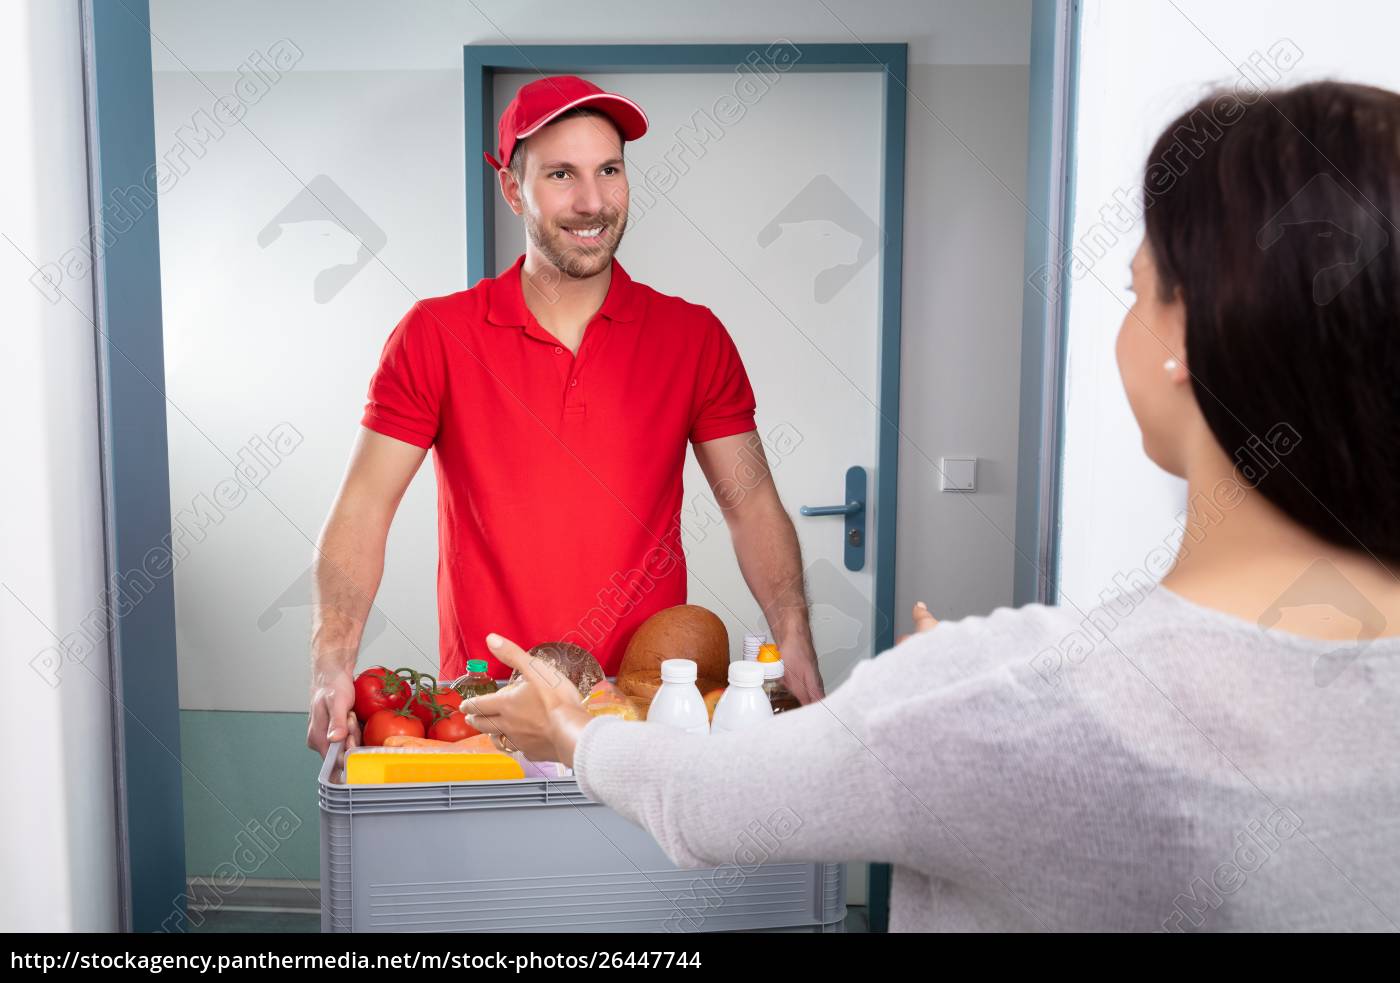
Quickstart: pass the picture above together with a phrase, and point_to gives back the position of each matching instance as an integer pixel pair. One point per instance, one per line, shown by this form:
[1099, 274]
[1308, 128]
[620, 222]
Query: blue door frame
[126, 310]
[482, 62]
[1053, 84]
[130, 349]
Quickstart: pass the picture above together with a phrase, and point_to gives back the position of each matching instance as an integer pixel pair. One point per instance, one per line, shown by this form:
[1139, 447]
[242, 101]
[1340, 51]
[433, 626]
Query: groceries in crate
[380, 766]
[407, 703]
[606, 700]
[685, 631]
[678, 702]
[744, 704]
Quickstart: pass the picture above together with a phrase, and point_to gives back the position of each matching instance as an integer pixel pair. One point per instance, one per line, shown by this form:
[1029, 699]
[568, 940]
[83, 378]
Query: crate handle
[332, 753]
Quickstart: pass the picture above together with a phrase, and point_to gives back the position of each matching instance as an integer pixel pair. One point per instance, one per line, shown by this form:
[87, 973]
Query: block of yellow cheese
[362, 768]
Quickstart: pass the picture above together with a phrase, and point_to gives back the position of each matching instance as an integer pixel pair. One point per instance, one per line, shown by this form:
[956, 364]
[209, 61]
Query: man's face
[574, 185]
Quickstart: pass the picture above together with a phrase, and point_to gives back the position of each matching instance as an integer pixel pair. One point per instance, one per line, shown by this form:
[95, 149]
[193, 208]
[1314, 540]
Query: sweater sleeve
[924, 758]
[810, 788]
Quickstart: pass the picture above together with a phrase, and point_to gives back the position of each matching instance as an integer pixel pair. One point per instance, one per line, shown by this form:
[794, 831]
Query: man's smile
[586, 233]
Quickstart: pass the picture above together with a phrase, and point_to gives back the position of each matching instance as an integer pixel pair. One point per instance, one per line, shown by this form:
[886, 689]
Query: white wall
[964, 238]
[1142, 64]
[58, 858]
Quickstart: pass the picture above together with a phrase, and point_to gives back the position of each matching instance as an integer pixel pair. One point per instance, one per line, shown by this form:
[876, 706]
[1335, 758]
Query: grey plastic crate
[535, 855]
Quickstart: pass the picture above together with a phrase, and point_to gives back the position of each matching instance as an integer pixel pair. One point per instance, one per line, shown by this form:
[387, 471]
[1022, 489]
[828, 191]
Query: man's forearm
[349, 565]
[770, 559]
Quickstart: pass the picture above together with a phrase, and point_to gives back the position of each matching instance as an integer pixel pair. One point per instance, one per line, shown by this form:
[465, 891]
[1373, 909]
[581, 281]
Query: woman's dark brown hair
[1274, 214]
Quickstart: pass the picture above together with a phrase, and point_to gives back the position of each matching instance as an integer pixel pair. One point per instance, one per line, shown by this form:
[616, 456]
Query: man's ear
[510, 190]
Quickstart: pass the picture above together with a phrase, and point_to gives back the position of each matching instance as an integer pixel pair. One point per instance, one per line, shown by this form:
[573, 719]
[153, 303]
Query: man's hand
[540, 715]
[332, 710]
[800, 673]
[923, 621]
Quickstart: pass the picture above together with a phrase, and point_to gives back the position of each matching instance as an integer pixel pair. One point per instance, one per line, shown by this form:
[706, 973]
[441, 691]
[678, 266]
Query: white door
[770, 220]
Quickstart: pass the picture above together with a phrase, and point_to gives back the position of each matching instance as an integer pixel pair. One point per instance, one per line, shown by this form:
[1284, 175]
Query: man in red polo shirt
[558, 398]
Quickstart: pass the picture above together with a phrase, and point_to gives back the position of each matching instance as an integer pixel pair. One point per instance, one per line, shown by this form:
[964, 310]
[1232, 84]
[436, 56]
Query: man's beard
[575, 259]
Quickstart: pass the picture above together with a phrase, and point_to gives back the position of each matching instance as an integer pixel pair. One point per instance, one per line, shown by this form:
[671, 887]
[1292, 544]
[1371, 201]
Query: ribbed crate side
[337, 855]
[641, 901]
[832, 880]
[537, 856]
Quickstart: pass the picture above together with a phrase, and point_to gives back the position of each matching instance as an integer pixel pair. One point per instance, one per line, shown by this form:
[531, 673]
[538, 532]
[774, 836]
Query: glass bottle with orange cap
[778, 694]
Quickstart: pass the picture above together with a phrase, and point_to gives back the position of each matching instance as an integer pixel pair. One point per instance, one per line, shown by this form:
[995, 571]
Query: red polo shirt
[559, 476]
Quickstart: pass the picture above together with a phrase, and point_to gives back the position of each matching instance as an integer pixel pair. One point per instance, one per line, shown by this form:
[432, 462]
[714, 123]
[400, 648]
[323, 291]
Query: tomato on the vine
[425, 705]
[378, 689]
[449, 697]
[452, 727]
[391, 723]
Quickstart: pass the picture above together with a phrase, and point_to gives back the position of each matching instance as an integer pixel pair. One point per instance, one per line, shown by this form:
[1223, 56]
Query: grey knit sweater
[1159, 765]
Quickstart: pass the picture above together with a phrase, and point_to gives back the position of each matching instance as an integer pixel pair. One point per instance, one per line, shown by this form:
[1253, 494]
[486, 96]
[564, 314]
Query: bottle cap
[476, 665]
[679, 671]
[746, 674]
[772, 670]
[768, 653]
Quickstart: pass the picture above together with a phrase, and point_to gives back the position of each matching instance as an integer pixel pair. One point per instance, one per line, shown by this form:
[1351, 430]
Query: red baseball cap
[543, 99]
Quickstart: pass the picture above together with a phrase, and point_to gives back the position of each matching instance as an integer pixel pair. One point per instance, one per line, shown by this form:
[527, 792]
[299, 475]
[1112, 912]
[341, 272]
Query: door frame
[1050, 176]
[481, 63]
[146, 764]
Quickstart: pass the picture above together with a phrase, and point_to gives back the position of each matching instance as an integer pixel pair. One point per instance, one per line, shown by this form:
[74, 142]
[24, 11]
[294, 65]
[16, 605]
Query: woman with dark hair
[1217, 751]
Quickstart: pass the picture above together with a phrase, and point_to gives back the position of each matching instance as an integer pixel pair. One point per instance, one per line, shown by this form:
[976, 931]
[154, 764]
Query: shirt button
[558, 351]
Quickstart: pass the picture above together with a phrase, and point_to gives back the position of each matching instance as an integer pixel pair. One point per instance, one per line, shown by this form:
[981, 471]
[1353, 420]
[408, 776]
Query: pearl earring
[1170, 364]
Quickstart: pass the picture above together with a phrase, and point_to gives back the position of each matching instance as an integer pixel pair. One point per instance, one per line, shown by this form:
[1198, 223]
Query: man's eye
[553, 173]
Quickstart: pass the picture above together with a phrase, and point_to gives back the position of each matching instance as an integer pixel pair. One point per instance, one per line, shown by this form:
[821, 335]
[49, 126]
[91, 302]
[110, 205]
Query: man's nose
[588, 196]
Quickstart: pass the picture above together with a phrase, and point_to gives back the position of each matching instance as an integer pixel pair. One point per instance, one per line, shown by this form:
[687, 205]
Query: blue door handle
[850, 508]
[853, 538]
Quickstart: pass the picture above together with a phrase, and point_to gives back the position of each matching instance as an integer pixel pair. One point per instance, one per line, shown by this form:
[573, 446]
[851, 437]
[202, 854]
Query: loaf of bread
[685, 631]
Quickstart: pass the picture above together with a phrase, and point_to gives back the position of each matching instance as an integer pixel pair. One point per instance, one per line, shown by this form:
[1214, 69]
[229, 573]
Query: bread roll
[685, 631]
[574, 662]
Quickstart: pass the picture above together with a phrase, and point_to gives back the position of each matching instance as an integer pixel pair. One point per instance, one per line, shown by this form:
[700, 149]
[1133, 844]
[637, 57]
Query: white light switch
[959, 473]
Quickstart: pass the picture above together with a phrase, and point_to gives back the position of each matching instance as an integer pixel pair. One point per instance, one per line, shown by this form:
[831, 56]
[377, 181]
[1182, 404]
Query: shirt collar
[506, 305]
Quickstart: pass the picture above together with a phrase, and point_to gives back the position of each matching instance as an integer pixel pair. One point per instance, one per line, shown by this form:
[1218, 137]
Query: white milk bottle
[678, 702]
[744, 704]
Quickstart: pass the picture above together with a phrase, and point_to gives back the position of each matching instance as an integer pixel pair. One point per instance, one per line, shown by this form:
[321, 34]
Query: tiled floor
[310, 921]
[256, 921]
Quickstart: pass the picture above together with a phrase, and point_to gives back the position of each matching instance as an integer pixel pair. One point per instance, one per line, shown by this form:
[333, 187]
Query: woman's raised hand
[923, 621]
